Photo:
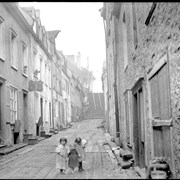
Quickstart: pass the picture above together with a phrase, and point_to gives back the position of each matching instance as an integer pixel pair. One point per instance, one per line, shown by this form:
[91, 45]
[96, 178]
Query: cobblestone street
[38, 161]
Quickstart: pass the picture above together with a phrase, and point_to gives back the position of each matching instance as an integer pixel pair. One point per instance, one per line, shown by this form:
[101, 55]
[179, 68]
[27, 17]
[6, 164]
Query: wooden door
[160, 99]
[138, 126]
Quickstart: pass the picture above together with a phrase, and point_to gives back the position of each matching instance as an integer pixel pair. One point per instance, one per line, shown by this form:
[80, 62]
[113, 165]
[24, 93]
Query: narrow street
[38, 161]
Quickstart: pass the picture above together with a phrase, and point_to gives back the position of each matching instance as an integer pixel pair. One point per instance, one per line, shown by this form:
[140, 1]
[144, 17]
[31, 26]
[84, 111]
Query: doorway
[138, 125]
[25, 112]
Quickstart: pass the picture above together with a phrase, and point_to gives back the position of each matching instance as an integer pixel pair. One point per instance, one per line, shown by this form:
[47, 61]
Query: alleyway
[38, 161]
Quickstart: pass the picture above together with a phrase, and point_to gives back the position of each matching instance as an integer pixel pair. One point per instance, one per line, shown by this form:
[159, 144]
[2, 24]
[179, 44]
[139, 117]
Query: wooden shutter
[163, 93]
[154, 96]
[158, 141]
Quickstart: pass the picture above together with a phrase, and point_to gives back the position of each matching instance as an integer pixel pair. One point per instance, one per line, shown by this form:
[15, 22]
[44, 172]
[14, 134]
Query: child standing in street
[73, 158]
[62, 154]
[81, 152]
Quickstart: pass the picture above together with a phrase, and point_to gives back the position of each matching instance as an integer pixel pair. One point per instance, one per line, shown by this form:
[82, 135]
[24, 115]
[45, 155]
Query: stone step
[2, 146]
[8, 150]
[125, 154]
[125, 164]
[32, 140]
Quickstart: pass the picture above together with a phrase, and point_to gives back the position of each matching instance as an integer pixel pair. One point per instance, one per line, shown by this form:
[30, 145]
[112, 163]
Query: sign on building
[35, 86]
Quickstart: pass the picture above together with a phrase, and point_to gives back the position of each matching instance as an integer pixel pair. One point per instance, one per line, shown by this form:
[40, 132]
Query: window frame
[2, 38]
[13, 48]
[13, 105]
[24, 58]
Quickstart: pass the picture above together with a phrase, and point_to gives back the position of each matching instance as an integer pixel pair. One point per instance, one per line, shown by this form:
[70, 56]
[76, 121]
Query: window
[160, 94]
[13, 104]
[46, 74]
[25, 58]
[14, 49]
[49, 77]
[34, 26]
[125, 41]
[36, 71]
[41, 68]
[134, 25]
[2, 39]
[60, 87]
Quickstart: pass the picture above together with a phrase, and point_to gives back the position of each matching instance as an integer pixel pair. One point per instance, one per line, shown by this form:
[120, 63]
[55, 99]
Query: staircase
[95, 109]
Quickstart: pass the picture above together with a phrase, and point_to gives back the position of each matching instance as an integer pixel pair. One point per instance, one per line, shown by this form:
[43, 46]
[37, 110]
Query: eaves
[13, 9]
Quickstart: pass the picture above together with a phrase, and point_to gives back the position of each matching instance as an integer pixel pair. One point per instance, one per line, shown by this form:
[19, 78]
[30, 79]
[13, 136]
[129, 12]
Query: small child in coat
[62, 155]
[81, 152]
[73, 158]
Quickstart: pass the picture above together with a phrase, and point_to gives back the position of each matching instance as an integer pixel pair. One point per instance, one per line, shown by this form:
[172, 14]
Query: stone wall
[160, 37]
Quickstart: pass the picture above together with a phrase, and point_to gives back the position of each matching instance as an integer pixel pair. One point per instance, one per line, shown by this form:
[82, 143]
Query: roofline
[22, 21]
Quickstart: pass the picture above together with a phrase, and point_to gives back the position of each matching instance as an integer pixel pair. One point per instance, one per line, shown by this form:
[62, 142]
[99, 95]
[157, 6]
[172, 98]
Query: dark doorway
[25, 112]
[41, 106]
[16, 135]
[40, 118]
[50, 120]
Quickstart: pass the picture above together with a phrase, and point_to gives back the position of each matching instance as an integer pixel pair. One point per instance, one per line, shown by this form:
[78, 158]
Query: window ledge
[13, 67]
[159, 122]
[2, 59]
[25, 75]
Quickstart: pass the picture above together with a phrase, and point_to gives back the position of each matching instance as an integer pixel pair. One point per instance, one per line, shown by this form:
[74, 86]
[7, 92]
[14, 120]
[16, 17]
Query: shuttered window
[154, 96]
[160, 94]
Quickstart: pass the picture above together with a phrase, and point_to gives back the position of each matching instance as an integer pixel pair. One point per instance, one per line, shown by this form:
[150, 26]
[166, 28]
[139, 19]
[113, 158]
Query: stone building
[40, 54]
[57, 99]
[66, 106]
[143, 40]
[14, 73]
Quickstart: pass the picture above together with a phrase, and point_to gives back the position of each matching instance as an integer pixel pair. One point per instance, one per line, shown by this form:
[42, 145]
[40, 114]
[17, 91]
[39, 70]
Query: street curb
[137, 169]
[12, 150]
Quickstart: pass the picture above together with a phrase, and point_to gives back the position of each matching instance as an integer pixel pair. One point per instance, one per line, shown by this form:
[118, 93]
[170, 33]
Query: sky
[82, 30]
